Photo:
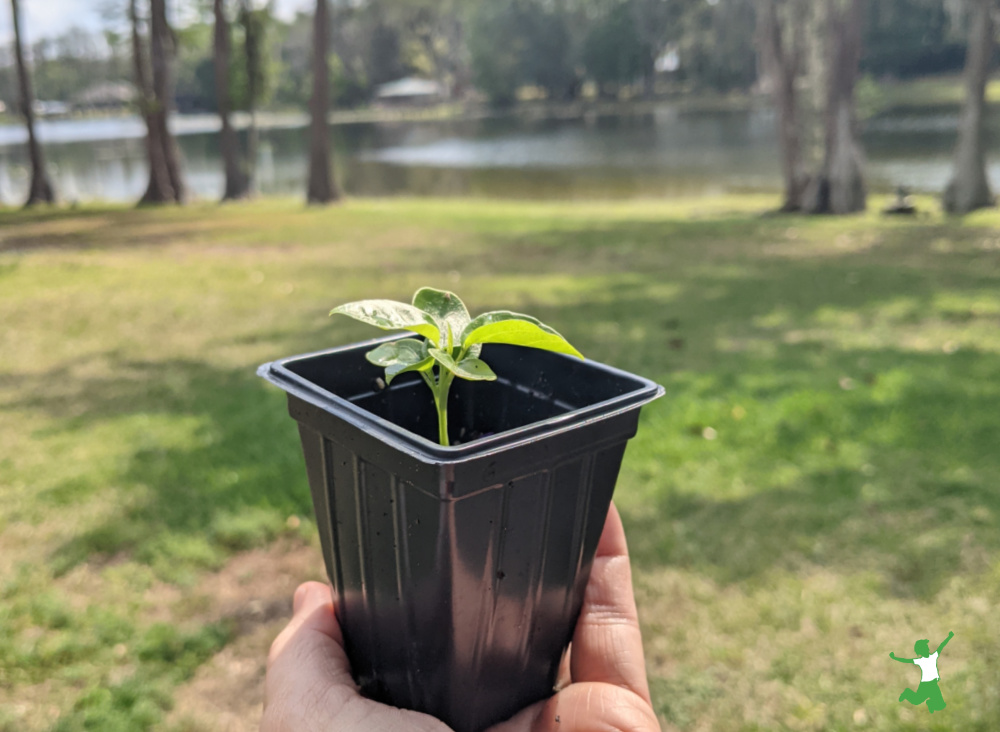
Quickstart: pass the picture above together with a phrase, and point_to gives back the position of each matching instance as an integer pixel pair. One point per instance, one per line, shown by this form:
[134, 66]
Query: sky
[41, 18]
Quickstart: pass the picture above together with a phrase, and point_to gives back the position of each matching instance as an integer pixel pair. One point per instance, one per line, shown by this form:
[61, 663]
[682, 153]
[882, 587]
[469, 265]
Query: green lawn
[819, 486]
[941, 91]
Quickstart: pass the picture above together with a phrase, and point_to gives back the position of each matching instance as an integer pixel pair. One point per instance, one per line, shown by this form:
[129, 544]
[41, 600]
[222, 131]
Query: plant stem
[442, 411]
[441, 390]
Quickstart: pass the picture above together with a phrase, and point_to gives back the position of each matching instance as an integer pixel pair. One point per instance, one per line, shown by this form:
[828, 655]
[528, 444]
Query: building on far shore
[105, 96]
[410, 91]
[51, 108]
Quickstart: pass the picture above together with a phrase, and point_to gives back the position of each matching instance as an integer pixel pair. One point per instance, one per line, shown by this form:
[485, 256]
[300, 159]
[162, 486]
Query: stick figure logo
[928, 690]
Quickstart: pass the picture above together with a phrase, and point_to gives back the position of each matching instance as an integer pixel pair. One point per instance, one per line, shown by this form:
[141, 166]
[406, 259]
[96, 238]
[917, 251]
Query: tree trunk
[322, 187]
[251, 44]
[159, 189]
[782, 56]
[839, 188]
[41, 189]
[969, 188]
[171, 188]
[229, 142]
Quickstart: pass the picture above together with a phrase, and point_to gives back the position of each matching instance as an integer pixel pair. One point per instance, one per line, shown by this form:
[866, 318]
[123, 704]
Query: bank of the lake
[683, 145]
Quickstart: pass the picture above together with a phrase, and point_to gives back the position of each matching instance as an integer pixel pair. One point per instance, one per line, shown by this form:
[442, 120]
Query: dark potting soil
[533, 386]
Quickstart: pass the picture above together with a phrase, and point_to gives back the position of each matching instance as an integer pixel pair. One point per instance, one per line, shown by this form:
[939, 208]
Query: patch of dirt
[29, 708]
[227, 692]
[255, 591]
[257, 585]
[53, 233]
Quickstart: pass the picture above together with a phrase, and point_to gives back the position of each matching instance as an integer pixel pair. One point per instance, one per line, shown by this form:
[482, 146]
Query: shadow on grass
[896, 478]
[862, 456]
[226, 479]
[108, 227]
[12, 216]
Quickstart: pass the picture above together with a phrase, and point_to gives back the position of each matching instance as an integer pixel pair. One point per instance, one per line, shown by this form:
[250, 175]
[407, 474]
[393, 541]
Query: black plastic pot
[459, 571]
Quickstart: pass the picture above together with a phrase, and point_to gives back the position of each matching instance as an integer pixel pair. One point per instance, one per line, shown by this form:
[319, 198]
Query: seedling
[453, 341]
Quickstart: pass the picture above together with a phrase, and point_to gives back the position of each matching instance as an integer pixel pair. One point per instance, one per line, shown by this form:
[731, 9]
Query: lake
[668, 151]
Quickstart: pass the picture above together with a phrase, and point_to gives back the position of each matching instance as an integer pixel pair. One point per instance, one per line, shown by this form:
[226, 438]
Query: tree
[969, 187]
[255, 30]
[656, 21]
[322, 187]
[162, 51]
[156, 100]
[295, 55]
[716, 52]
[385, 60]
[237, 184]
[781, 44]
[908, 38]
[159, 188]
[41, 189]
[546, 59]
[438, 27]
[614, 53]
[371, 42]
[495, 46]
[193, 65]
[839, 185]
[66, 64]
[521, 42]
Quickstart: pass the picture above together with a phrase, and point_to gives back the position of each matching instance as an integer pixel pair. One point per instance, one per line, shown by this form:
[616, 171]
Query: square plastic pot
[459, 571]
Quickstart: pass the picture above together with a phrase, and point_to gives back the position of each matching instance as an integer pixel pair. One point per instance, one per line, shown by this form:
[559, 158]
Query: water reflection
[666, 152]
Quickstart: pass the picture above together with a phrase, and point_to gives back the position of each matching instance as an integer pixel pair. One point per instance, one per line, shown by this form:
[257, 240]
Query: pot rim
[278, 373]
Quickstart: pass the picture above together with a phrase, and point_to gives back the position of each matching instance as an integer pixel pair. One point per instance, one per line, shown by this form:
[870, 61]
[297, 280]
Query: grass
[941, 91]
[817, 488]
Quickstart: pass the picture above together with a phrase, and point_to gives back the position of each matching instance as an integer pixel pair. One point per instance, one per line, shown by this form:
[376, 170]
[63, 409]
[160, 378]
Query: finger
[564, 678]
[311, 646]
[312, 612]
[309, 686]
[612, 542]
[607, 644]
[585, 707]
[596, 708]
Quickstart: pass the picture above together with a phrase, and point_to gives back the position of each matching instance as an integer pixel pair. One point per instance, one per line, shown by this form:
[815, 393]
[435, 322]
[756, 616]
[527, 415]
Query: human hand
[309, 687]
[603, 685]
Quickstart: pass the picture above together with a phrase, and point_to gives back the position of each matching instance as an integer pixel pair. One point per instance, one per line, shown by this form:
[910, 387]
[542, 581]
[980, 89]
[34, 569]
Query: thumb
[309, 596]
[607, 644]
[312, 644]
[312, 613]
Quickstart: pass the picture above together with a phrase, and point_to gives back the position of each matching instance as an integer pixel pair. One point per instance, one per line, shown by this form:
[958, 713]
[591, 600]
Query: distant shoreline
[204, 122]
[94, 128]
[877, 98]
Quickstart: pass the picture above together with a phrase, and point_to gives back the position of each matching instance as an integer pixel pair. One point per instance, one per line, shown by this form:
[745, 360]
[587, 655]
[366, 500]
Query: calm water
[665, 152]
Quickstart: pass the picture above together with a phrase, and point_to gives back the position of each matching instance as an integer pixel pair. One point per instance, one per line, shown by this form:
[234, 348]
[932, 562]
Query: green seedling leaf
[391, 315]
[470, 367]
[454, 340]
[447, 310]
[519, 330]
[400, 357]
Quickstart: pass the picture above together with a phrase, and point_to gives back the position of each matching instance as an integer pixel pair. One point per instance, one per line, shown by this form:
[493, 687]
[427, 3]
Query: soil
[255, 591]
